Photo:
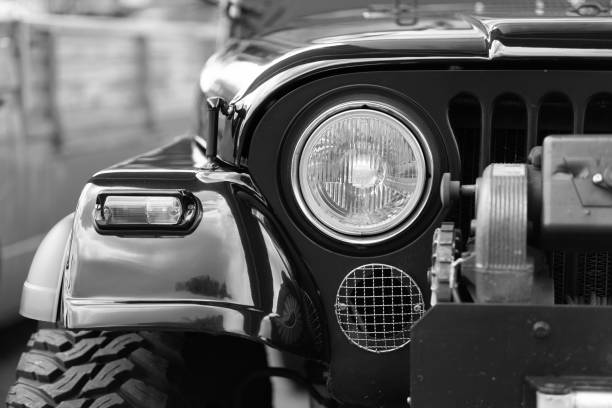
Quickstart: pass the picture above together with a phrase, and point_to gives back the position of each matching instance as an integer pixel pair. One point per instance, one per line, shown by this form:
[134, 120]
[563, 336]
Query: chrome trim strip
[424, 190]
[93, 313]
[498, 50]
[144, 171]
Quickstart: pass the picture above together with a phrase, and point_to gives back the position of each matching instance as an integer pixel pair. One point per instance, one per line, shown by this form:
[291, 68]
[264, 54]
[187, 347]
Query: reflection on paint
[205, 286]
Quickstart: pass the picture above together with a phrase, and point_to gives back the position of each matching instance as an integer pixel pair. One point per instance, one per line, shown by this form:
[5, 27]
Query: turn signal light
[118, 211]
[142, 210]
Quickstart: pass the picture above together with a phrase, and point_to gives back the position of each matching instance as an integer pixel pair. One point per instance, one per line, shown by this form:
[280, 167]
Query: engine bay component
[503, 273]
[443, 273]
[525, 216]
[577, 191]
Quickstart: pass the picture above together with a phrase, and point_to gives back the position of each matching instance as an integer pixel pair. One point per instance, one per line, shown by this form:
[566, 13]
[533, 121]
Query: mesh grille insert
[376, 307]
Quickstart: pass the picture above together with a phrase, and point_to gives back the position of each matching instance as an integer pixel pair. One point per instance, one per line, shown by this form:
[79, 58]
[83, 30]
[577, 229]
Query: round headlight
[359, 172]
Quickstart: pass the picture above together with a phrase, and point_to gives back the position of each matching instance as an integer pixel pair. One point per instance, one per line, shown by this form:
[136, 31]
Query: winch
[561, 200]
[493, 292]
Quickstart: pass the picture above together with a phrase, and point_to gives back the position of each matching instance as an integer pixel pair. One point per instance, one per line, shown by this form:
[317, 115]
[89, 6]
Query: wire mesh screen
[377, 305]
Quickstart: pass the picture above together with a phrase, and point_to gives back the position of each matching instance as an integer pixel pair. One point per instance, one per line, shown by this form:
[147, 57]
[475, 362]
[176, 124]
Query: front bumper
[468, 355]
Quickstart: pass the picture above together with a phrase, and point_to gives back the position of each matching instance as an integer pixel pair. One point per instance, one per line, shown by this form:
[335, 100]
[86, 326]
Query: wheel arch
[235, 272]
[40, 296]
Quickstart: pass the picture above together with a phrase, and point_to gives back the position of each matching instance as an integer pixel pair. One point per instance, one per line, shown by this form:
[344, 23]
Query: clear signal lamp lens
[142, 210]
[361, 172]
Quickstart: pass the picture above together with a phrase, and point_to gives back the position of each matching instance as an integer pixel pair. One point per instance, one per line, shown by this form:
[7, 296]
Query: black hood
[349, 36]
[249, 72]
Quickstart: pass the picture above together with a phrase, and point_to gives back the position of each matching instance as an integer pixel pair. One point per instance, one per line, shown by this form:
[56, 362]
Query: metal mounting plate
[471, 355]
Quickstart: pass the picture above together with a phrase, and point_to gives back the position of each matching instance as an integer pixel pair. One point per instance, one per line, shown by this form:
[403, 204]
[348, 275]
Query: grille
[590, 284]
[376, 307]
[503, 128]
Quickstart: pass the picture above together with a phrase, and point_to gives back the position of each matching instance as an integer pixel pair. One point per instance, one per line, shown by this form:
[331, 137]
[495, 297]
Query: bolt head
[541, 329]
[597, 178]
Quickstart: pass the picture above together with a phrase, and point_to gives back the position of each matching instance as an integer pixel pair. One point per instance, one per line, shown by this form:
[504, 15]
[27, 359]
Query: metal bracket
[215, 105]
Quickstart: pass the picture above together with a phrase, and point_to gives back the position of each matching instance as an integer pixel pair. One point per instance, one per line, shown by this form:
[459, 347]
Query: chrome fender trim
[41, 290]
[215, 317]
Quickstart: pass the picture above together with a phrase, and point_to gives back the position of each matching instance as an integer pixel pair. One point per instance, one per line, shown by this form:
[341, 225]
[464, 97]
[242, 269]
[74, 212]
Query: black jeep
[413, 203]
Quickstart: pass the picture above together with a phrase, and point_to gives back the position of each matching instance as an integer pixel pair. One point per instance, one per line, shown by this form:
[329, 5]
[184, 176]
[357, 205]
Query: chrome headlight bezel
[417, 203]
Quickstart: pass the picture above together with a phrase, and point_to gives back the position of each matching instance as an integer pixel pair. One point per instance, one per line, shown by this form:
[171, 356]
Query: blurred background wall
[85, 84]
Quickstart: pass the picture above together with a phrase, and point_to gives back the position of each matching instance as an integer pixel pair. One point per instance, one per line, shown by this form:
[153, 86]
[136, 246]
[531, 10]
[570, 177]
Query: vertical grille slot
[598, 114]
[465, 119]
[556, 116]
[509, 130]
[464, 116]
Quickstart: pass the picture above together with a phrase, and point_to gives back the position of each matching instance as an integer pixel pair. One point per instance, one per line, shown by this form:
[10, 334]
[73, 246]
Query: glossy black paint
[232, 274]
[427, 94]
[254, 73]
[285, 72]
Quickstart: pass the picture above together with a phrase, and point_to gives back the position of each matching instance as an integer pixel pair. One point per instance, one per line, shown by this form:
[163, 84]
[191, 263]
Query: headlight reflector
[360, 172]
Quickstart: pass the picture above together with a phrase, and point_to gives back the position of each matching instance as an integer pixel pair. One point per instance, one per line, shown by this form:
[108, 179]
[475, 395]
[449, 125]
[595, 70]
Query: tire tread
[90, 369]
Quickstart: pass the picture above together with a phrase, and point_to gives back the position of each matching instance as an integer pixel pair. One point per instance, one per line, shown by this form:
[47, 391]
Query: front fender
[233, 273]
[41, 290]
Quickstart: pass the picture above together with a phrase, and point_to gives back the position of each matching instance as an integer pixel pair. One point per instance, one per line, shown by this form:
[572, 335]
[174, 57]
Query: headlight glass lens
[361, 172]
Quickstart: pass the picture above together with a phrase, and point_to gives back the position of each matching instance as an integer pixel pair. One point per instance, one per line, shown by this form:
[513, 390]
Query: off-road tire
[92, 369]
